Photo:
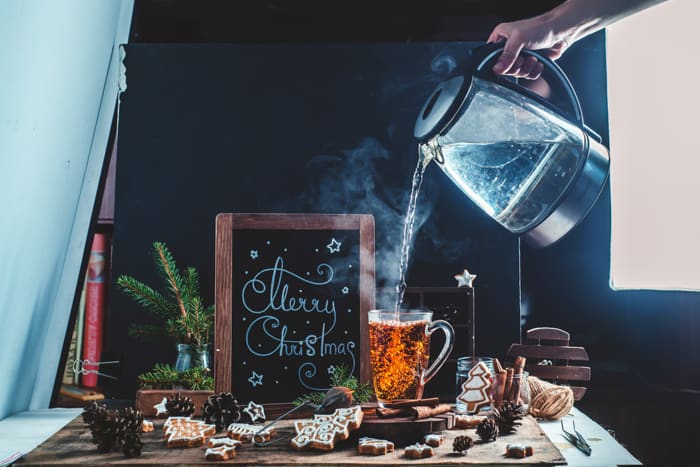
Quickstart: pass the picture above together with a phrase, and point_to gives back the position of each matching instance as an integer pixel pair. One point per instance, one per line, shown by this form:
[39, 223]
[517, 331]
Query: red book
[94, 308]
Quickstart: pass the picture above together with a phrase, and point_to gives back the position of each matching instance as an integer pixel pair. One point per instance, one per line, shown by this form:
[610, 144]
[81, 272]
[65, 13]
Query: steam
[351, 182]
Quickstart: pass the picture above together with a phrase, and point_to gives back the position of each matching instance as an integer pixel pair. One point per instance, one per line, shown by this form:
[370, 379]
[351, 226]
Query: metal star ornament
[465, 279]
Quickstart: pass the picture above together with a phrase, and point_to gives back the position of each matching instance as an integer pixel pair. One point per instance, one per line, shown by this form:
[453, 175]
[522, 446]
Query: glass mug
[399, 352]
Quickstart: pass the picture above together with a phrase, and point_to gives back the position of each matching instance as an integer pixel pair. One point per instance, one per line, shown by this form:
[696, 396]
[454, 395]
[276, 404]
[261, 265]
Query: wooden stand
[403, 431]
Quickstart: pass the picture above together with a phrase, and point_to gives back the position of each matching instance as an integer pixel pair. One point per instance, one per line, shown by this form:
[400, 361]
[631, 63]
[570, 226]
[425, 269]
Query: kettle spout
[428, 151]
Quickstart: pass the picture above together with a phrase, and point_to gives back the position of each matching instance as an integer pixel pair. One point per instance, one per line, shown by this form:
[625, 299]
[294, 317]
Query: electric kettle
[531, 166]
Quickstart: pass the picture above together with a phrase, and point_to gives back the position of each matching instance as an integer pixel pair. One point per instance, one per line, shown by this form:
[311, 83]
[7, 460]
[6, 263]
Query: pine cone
[487, 429]
[129, 425]
[221, 410]
[179, 406]
[508, 417]
[92, 411]
[104, 430]
[462, 444]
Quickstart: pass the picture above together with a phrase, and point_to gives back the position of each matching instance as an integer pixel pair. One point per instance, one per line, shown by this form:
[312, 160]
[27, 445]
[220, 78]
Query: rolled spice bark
[509, 385]
[499, 386]
[518, 368]
[421, 412]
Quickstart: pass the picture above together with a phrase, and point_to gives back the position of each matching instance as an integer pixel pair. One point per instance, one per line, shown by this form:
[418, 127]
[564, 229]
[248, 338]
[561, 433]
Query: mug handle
[446, 348]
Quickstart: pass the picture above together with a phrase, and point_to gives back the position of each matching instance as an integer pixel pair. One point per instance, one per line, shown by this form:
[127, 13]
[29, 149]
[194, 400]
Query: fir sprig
[187, 320]
[362, 392]
[166, 377]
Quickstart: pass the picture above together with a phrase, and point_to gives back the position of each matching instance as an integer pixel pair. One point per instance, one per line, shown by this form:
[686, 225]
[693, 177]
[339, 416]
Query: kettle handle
[490, 51]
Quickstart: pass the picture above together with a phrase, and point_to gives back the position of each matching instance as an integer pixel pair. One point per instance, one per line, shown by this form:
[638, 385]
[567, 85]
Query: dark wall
[305, 127]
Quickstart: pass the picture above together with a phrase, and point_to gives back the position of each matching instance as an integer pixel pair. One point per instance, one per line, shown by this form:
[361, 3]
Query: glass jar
[522, 393]
[478, 390]
[184, 357]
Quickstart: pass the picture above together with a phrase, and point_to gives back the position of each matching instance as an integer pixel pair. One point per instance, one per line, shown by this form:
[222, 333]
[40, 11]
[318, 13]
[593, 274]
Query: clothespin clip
[79, 367]
[576, 439]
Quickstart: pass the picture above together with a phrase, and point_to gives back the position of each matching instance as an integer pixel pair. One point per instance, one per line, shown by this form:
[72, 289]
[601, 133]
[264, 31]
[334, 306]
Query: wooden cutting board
[72, 445]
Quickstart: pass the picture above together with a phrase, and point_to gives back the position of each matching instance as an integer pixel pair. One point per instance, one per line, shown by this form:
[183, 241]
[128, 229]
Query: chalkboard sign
[292, 296]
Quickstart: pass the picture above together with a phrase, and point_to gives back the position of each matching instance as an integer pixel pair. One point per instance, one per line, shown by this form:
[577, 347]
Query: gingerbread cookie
[418, 451]
[475, 389]
[221, 453]
[374, 447]
[323, 431]
[433, 439]
[147, 426]
[519, 450]
[185, 432]
[255, 412]
[247, 433]
[468, 421]
[218, 442]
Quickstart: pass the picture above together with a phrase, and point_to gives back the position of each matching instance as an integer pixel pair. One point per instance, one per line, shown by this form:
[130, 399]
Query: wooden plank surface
[72, 445]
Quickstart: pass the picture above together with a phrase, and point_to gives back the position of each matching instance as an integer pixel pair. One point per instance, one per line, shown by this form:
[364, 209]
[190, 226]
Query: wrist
[574, 19]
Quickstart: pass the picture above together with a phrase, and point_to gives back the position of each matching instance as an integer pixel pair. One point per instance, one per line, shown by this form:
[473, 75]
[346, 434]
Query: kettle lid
[439, 107]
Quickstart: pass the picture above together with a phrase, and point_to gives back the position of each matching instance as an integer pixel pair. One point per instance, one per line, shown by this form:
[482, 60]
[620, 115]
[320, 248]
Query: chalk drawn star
[331, 370]
[160, 407]
[465, 279]
[255, 379]
[254, 254]
[345, 290]
[334, 246]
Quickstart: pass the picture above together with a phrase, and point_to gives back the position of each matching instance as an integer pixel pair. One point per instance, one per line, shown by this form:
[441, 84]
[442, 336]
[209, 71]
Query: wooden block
[548, 334]
[561, 373]
[553, 352]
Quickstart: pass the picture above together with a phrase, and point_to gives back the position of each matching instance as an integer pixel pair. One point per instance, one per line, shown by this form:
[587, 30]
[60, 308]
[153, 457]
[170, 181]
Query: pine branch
[362, 392]
[145, 296]
[171, 274]
[191, 284]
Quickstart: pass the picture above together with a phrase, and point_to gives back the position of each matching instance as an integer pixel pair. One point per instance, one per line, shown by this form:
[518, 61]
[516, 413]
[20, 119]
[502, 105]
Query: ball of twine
[548, 400]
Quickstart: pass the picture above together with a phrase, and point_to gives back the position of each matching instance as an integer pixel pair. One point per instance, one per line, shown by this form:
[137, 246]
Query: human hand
[536, 33]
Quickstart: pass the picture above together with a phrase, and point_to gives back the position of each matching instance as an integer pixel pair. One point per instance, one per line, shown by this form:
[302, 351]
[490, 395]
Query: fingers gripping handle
[449, 331]
[485, 54]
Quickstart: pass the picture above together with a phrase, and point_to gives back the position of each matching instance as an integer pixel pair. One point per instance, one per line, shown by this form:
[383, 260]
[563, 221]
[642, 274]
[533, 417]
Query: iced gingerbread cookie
[418, 451]
[185, 432]
[147, 426]
[255, 412]
[246, 433]
[433, 439]
[468, 421]
[374, 447]
[323, 431]
[221, 449]
[475, 389]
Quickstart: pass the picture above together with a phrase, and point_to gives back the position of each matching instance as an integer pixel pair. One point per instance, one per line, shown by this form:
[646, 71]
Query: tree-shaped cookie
[475, 389]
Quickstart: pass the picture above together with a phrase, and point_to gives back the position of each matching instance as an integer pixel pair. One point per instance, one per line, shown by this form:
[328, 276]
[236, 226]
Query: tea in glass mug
[399, 350]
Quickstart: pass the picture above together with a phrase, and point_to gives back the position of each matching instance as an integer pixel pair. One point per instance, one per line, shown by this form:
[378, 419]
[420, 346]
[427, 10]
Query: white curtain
[59, 63]
[653, 101]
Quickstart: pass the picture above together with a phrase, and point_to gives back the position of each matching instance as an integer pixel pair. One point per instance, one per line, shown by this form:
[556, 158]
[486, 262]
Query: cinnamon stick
[518, 369]
[398, 404]
[392, 413]
[421, 412]
[499, 386]
[497, 365]
[509, 384]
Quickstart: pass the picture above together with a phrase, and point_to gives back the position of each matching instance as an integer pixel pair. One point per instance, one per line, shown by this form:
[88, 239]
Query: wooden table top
[72, 445]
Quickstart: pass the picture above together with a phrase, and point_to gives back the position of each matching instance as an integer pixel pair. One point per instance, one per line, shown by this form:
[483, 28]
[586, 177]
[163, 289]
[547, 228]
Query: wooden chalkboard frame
[228, 223]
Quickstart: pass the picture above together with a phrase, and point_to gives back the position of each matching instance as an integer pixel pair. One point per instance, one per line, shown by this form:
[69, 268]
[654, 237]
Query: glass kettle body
[521, 160]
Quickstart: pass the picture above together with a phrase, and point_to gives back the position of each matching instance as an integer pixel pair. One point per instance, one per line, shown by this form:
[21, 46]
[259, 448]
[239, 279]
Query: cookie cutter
[79, 368]
[576, 439]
